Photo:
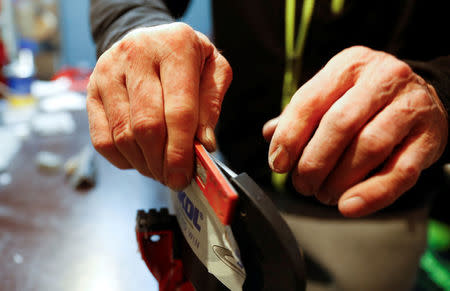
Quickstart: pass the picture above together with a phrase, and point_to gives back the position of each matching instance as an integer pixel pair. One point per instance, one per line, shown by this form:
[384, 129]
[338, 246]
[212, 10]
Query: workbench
[53, 237]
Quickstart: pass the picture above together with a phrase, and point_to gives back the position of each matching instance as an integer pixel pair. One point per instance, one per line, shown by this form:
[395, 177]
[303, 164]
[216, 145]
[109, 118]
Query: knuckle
[182, 35]
[121, 133]
[130, 50]
[127, 43]
[356, 53]
[422, 99]
[309, 167]
[372, 144]
[103, 65]
[408, 173]
[183, 29]
[144, 126]
[183, 116]
[135, 48]
[352, 60]
[399, 68]
[344, 121]
[418, 104]
[358, 50]
[134, 36]
[178, 157]
[181, 41]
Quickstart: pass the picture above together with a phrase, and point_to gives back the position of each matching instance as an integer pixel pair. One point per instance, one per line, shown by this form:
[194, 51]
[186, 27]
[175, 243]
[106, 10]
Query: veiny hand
[359, 133]
[151, 94]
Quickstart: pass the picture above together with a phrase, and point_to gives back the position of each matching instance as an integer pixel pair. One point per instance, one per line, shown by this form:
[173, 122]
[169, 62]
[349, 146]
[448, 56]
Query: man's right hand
[151, 94]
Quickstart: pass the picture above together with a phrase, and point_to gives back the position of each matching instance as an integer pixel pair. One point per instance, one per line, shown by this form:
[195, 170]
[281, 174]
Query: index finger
[302, 115]
[180, 79]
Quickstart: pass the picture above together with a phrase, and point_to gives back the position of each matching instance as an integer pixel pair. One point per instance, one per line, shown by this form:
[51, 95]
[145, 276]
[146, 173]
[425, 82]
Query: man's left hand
[359, 133]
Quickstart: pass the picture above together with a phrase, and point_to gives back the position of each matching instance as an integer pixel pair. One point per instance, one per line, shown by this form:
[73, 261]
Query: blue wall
[77, 46]
[76, 42]
[198, 15]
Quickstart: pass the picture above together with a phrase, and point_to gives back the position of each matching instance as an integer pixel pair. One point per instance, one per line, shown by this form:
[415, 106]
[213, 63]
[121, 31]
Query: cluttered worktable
[55, 237]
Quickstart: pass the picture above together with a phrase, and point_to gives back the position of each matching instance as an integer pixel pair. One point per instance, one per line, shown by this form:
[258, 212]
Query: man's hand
[151, 94]
[359, 133]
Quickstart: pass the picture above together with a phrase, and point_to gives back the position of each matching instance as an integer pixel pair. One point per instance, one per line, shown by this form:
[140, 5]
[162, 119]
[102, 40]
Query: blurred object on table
[38, 29]
[48, 162]
[19, 75]
[37, 20]
[3, 62]
[53, 124]
[79, 77]
[81, 169]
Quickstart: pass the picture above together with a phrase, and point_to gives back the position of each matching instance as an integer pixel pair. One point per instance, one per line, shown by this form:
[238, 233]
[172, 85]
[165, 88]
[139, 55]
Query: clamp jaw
[156, 233]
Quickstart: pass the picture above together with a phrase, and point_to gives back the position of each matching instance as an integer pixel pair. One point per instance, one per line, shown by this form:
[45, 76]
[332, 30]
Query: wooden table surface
[53, 237]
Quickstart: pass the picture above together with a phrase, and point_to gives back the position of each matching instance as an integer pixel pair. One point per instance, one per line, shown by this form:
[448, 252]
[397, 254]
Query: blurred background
[58, 31]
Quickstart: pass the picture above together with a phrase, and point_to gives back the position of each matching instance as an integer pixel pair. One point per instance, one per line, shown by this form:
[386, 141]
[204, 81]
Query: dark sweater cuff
[107, 30]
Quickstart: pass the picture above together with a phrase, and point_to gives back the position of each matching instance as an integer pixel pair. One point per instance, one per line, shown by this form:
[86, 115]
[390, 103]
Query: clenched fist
[359, 133]
[151, 94]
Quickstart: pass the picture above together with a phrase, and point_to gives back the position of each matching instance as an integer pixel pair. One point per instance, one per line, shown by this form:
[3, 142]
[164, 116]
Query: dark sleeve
[437, 73]
[111, 19]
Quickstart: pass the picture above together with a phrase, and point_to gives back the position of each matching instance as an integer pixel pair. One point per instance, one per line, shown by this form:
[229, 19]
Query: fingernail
[177, 180]
[352, 204]
[210, 137]
[279, 160]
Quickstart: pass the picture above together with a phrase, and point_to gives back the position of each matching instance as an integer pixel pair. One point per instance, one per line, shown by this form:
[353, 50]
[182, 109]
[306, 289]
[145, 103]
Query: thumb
[215, 80]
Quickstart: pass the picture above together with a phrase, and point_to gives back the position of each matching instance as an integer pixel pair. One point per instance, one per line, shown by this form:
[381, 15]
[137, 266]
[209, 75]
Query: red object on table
[3, 61]
[79, 78]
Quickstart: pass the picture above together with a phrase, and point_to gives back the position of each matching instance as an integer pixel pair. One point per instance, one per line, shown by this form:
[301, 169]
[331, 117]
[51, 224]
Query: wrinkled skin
[365, 109]
[157, 89]
[151, 94]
